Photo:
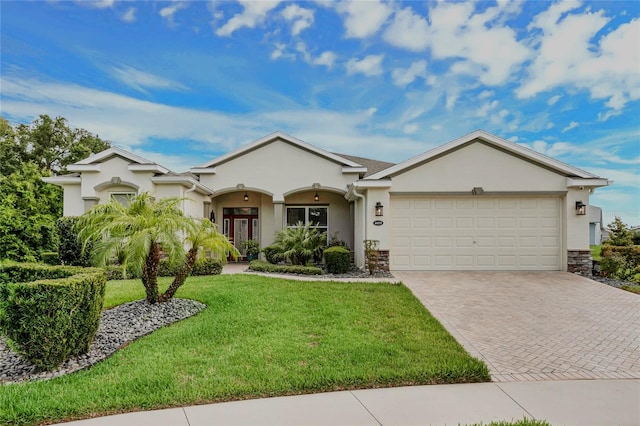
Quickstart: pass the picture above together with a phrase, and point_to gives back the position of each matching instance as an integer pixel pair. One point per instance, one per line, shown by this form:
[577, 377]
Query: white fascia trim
[591, 183]
[148, 168]
[354, 170]
[114, 151]
[83, 167]
[186, 181]
[386, 183]
[63, 180]
[285, 137]
[493, 140]
[203, 170]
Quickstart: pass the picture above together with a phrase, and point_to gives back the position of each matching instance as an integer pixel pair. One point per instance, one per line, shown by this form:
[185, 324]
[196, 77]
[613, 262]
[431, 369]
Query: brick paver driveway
[536, 325]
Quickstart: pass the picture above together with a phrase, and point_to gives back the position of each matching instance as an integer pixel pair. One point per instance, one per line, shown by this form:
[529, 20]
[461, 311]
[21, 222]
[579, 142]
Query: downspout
[193, 188]
[364, 210]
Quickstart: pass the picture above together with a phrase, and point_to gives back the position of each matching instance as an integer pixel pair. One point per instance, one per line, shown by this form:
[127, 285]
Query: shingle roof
[373, 166]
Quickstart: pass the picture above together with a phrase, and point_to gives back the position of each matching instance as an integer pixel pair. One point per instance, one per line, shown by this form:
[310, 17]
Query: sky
[181, 83]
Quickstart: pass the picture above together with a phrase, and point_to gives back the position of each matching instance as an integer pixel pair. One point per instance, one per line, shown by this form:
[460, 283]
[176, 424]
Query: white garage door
[475, 233]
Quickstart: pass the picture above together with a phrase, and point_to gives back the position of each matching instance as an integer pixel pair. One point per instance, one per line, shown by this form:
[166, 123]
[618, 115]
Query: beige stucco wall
[278, 168]
[115, 167]
[73, 205]
[478, 165]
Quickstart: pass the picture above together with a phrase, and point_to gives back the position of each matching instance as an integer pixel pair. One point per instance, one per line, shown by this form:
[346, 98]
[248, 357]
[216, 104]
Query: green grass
[632, 288]
[524, 422]
[258, 337]
[595, 252]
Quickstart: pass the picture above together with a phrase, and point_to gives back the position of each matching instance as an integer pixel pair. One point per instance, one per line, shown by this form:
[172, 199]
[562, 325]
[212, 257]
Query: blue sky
[183, 82]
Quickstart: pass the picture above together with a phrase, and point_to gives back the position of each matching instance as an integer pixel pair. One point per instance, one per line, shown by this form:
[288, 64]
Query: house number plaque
[377, 222]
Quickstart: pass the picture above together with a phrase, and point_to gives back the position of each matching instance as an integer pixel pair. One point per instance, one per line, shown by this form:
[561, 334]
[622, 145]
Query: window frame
[130, 194]
[307, 208]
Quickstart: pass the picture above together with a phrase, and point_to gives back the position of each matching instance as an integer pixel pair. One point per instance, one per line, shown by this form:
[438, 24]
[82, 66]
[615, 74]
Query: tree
[29, 207]
[619, 233]
[141, 232]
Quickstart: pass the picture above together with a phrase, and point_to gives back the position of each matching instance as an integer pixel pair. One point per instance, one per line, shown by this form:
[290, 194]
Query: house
[597, 232]
[476, 203]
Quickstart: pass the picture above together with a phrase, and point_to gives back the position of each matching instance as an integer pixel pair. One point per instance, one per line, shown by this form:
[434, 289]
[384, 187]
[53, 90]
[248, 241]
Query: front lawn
[595, 252]
[258, 337]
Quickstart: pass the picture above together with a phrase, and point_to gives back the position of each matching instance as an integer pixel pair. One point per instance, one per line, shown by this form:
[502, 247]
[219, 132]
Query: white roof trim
[383, 183]
[182, 180]
[96, 158]
[354, 170]
[591, 183]
[63, 180]
[269, 138]
[203, 171]
[148, 168]
[83, 167]
[532, 155]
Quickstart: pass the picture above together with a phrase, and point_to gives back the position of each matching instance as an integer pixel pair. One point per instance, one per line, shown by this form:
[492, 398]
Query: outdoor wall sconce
[477, 190]
[212, 216]
[379, 208]
[581, 208]
[316, 197]
[246, 196]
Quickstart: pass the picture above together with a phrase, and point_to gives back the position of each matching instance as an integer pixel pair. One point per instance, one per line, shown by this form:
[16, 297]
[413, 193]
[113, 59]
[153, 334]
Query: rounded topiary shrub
[273, 254]
[337, 259]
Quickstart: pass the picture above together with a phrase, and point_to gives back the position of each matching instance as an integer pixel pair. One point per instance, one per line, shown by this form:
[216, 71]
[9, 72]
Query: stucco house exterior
[476, 203]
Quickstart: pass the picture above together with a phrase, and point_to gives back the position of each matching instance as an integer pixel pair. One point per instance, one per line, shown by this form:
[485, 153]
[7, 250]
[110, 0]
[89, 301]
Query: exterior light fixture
[379, 208]
[581, 208]
[316, 197]
[246, 196]
[477, 190]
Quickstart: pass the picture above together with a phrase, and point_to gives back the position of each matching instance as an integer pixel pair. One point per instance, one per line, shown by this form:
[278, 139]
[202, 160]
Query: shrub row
[262, 266]
[70, 248]
[621, 262]
[50, 313]
[165, 269]
[337, 259]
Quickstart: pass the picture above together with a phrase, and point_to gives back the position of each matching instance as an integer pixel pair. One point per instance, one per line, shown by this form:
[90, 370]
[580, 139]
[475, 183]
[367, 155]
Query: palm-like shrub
[138, 234]
[301, 243]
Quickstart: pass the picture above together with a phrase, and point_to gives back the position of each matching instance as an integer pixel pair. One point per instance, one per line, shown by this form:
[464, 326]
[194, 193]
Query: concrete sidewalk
[574, 402]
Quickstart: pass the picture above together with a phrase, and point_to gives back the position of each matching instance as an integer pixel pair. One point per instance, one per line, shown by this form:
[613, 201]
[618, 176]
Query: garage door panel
[480, 232]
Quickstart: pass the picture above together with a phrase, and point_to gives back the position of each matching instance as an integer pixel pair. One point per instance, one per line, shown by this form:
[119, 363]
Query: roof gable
[490, 140]
[137, 163]
[272, 138]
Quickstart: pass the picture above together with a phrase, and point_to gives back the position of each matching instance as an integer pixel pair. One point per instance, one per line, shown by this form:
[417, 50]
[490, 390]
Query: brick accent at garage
[579, 262]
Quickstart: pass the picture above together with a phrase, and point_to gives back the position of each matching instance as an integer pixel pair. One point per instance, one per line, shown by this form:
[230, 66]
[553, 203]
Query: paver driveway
[536, 325]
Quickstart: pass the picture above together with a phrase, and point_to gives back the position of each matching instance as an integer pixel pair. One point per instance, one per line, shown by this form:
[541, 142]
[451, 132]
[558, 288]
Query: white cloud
[572, 125]
[436, 127]
[129, 15]
[97, 4]
[141, 80]
[486, 94]
[411, 128]
[168, 12]
[363, 18]
[484, 110]
[570, 54]
[327, 59]
[408, 31]
[302, 18]
[553, 100]
[402, 77]
[253, 14]
[371, 65]
[608, 114]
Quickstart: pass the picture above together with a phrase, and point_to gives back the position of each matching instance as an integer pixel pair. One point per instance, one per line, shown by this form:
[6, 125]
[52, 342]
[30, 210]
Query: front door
[240, 224]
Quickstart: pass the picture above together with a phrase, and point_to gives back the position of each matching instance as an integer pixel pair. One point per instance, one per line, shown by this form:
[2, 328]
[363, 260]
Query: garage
[476, 233]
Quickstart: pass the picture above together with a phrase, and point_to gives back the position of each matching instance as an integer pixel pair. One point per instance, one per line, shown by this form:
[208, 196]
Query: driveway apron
[536, 325]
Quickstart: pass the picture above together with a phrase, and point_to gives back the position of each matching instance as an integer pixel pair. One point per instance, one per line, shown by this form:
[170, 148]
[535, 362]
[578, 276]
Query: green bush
[50, 257]
[207, 267]
[301, 243]
[50, 313]
[273, 254]
[337, 259]
[621, 262]
[262, 266]
[70, 247]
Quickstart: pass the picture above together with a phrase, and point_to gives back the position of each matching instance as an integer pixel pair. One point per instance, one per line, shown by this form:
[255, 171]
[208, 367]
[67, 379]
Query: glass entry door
[240, 234]
[240, 224]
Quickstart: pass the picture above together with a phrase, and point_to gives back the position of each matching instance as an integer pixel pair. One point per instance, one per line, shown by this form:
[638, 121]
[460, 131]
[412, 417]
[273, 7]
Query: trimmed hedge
[273, 254]
[621, 262]
[70, 247]
[165, 269]
[50, 257]
[50, 313]
[262, 266]
[337, 259]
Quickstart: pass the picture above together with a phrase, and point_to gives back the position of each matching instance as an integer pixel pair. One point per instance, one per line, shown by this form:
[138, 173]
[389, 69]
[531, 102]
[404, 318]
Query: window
[123, 198]
[317, 216]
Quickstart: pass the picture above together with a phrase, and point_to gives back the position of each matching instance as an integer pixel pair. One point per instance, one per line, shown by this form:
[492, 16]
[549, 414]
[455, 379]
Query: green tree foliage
[28, 206]
[619, 233]
[143, 231]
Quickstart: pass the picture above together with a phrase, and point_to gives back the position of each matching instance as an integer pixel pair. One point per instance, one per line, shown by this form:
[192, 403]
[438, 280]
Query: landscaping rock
[118, 327]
